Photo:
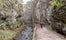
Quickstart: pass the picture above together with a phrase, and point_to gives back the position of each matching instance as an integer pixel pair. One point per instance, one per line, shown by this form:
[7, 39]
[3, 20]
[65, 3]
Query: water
[49, 12]
[26, 34]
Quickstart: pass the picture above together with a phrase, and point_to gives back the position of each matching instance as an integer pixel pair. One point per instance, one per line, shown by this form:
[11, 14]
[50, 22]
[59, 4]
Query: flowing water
[49, 12]
[26, 34]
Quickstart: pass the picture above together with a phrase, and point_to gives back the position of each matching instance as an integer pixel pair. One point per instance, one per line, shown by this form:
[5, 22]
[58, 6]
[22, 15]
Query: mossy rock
[6, 34]
[59, 18]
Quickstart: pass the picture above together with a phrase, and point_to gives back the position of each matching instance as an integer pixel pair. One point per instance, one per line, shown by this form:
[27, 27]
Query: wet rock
[64, 29]
[26, 34]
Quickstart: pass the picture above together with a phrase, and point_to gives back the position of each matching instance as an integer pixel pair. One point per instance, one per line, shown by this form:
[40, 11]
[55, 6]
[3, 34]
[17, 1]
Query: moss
[0, 1]
[9, 11]
[6, 34]
[56, 3]
[1, 21]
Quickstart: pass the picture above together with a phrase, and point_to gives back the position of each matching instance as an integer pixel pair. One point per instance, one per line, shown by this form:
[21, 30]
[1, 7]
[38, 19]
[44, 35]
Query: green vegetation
[56, 3]
[6, 34]
[59, 17]
[9, 15]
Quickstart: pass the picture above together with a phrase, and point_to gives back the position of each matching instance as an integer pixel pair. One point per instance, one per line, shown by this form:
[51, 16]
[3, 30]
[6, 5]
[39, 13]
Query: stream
[26, 34]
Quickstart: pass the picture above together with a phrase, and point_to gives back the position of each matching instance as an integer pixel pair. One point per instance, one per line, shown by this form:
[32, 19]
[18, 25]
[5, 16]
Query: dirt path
[47, 34]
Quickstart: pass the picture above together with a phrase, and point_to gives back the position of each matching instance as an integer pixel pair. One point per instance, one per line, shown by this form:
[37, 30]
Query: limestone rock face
[10, 11]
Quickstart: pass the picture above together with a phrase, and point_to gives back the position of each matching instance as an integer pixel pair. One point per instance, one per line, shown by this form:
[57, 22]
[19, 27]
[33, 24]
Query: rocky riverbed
[25, 34]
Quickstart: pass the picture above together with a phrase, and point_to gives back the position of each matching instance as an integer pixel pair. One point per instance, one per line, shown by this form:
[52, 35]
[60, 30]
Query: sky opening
[25, 1]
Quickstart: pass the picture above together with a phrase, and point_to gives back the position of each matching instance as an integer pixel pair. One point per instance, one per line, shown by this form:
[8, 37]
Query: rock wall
[11, 12]
[59, 18]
